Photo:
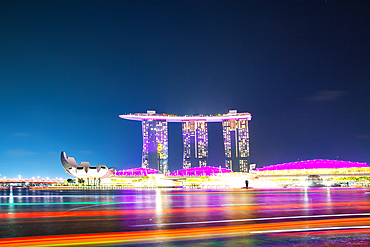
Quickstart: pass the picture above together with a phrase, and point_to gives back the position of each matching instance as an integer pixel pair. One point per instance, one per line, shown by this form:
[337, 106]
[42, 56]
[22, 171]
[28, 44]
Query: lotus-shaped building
[85, 170]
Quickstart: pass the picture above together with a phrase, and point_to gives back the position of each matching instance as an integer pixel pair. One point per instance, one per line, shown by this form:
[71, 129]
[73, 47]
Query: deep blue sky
[69, 68]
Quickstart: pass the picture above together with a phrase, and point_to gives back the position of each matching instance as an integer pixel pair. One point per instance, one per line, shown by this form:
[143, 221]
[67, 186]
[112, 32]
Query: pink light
[136, 172]
[199, 171]
[314, 164]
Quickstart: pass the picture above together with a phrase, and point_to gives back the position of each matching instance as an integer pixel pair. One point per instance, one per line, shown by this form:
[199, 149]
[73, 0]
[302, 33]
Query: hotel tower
[195, 139]
[236, 143]
[155, 145]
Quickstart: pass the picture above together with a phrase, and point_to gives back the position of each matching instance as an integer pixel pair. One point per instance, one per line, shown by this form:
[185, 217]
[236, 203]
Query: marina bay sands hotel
[195, 139]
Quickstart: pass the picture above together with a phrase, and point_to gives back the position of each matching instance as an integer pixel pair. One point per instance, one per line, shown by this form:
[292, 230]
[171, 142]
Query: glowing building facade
[195, 139]
[155, 145]
[317, 167]
[236, 143]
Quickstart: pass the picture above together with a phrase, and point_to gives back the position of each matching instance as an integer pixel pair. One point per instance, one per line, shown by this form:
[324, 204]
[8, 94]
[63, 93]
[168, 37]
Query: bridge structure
[24, 182]
[195, 139]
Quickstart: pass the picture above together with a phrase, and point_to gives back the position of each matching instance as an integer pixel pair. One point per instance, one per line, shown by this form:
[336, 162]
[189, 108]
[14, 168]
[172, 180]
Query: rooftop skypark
[152, 115]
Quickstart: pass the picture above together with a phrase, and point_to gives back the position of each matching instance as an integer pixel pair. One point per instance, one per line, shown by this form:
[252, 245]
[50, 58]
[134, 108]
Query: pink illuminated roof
[175, 118]
[200, 171]
[314, 164]
[136, 172]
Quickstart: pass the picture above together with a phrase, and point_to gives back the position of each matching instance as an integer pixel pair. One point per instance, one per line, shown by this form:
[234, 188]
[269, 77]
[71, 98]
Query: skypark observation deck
[195, 139]
[178, 119]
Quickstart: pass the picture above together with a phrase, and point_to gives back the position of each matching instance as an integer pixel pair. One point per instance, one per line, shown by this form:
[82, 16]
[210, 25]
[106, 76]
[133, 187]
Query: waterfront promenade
[184, 217]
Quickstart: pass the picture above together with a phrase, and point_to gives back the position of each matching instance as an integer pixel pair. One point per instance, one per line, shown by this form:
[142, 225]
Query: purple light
[200, 171]
[314, 164]
[136, 172]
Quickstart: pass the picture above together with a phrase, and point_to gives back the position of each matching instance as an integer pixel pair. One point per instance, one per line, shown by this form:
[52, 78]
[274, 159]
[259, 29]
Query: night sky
[69, 68]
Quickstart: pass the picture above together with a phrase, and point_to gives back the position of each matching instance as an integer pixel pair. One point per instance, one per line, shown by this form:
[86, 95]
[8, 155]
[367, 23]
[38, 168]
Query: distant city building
[195, 139]
[252, 166]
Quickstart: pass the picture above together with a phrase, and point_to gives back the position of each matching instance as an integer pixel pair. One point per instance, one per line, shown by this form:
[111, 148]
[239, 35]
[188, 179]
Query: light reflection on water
[206, 217]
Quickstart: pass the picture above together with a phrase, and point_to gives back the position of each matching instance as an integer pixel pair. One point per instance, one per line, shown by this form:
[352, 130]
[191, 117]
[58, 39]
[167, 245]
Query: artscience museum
[89, 174]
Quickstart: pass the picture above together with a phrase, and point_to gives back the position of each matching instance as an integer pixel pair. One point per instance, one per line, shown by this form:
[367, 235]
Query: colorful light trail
[185, 234]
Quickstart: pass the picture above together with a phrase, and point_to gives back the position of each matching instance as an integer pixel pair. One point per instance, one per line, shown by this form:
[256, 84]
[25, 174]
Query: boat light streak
[257, 219]
[244, 204]
[310, 229]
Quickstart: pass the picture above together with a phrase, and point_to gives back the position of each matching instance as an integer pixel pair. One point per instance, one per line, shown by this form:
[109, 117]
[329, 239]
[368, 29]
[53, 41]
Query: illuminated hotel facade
[155, 145]
[236, 143]
[195, 139]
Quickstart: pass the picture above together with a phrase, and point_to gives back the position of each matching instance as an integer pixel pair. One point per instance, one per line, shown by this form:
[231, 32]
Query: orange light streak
[173, 211]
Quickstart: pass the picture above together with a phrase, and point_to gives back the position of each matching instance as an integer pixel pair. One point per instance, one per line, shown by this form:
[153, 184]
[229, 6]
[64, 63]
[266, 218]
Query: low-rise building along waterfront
[300, 173]
[197, 177]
